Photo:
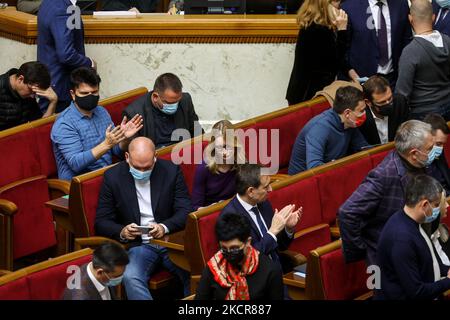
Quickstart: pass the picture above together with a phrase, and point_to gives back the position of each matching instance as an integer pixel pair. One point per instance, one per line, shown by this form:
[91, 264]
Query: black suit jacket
[267, 243]
[400, 114]
[185, 117]
[266, 283]
[118, 204]
[442, 166]
[87, 291]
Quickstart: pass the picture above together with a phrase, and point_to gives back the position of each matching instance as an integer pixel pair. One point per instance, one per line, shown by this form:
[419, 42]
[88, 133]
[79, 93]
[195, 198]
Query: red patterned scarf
[228, 277]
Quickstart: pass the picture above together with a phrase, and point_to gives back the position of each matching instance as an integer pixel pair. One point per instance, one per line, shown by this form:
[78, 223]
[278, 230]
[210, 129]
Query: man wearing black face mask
[84, 137]
[238, 271]
[385, 112]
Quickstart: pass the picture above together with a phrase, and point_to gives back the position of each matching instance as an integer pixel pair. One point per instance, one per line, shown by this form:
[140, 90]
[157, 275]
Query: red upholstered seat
[19, 157]
[320, 107]
[447, 152]
[337, 184]
[377, 158]
[15, 290]
[45, 149]
[342, 281]
[208, 240]
[90, 189]
[318, 236]
[33, 227]
[49, 284]
[115, 109]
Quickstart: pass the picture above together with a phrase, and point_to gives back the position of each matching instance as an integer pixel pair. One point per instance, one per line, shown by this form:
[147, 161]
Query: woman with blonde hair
[320, 49]
[214, 179]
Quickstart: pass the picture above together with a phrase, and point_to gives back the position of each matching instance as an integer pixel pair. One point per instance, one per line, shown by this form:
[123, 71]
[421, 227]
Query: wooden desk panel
[162, 28]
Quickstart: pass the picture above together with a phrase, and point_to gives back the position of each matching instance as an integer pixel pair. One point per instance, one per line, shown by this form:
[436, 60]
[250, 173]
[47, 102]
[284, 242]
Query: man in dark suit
[166, 109]
[385, 111]
[440, 132]
[442, 18]
[149, 193]
[376, 40]
[364, 214]
[60, 46]
[409, 267]
[270, 231]
[97, 279]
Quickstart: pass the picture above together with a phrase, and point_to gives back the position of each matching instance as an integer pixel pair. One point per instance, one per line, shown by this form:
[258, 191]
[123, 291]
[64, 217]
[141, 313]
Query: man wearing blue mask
[143, 198]
[409, 267]
[165, 109]
[98, 278]
[440, 131]
[442, 21]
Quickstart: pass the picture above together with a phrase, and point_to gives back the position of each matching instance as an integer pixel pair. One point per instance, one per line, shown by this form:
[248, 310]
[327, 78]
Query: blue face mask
[170, 108]
[438, 150]
[114, 281]
[140, 175]
[431, 157]
[434, 215]
[443, 3]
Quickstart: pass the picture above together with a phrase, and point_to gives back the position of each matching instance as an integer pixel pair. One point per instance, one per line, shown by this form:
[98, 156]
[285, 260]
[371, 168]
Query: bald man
[143, 198]
[424, 68]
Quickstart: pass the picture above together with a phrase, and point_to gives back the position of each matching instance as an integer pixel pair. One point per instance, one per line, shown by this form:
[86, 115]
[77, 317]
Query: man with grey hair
[424, 67]
[409, 267]
[363, 215]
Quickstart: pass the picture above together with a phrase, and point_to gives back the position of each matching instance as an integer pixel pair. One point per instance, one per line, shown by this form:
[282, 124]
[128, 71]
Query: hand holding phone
[144, 229]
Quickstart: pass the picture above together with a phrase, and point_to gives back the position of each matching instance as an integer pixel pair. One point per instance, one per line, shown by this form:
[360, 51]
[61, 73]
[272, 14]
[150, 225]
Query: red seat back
[33, 223]
[319, 107]
[45, 148]
[15, 290]
[337, 184]
[20, 157]
[208, 240]
[377, 158]
[90, 190]
[342, 281]
[115, 109]
[50, 283]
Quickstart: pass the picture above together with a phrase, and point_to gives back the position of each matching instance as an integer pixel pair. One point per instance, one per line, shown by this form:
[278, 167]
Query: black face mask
[88, 102]
[234, 257]
[385, 110]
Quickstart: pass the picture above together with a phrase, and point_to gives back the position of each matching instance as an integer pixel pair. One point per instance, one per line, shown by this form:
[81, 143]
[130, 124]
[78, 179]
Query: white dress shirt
[435, 38]
[248, 207]
[143, 192]
[376, 19]
[436, 268]
[437, 245]
[102, 290]
[382, 127]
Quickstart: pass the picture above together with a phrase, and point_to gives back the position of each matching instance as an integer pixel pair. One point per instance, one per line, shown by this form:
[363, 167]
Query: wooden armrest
[335, 232]
[4, 272]
[365, 296]
[91, 242]
[278, 177]
[191, 297]
[295, 258]
[60, 185]
[7, 208]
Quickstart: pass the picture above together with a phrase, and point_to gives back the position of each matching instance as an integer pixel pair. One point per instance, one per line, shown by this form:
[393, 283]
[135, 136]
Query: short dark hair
[85, 75]
[167, 81]
[347, 98]
[231, 226]
[420, 187]
[35, 73]
[109, 255]
[437, 123]
[248, 175]
[375, 84]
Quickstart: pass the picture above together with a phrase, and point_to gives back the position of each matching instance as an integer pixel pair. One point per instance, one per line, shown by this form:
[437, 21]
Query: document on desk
[114, 14]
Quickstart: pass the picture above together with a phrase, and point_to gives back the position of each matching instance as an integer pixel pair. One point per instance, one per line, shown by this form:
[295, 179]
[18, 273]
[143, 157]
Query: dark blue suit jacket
[406, 264]
[59, 48]
[267, 243]
[362, 53]
[118, 204]
[442, 26]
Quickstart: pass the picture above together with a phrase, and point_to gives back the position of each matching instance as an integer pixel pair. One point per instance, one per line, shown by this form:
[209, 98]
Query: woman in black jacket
[320, 49]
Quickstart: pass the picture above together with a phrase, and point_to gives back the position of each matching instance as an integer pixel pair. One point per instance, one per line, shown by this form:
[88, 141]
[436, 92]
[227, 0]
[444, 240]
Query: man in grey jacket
[424, 67]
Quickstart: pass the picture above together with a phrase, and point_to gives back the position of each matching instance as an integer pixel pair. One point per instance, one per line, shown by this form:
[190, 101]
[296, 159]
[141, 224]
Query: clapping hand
[130, 128]
[341, 20]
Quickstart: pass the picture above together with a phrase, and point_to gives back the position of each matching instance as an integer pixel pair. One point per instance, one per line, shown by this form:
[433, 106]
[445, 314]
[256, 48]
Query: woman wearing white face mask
[316, 62]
